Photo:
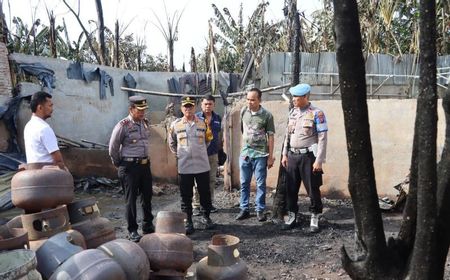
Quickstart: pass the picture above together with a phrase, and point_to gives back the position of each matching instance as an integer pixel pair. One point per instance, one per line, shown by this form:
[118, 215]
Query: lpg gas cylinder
[223, 261]
[37, 189]
[169, 250]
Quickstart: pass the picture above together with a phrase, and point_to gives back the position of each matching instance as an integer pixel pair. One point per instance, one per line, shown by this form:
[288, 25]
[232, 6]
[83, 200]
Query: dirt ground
[268, 252]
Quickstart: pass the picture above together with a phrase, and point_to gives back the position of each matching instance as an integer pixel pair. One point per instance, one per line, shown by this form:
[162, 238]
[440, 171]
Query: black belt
[298, 151]
[140, 160]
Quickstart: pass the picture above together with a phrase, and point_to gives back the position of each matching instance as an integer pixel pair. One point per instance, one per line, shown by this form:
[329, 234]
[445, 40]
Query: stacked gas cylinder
[170, 252]
[66, 239]
[58, 237]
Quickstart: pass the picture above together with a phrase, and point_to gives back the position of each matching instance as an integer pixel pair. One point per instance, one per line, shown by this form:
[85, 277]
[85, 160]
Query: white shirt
[40, 141]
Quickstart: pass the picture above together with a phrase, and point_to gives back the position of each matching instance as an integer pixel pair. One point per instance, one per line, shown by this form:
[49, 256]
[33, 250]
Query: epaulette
[125, 121]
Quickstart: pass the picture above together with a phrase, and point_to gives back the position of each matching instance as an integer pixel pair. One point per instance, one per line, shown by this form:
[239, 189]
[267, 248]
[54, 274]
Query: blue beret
[300, 90]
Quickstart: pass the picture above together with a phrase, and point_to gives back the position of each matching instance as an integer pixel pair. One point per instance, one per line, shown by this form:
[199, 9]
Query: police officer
[188, 139]
[128, 149]
[304, 151]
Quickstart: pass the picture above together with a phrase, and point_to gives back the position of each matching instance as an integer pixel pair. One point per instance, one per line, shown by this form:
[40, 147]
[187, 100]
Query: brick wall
[5, 74]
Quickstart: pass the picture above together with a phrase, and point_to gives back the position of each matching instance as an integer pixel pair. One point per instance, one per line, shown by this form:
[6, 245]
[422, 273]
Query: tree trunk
[116, 43]
[292, 14]
[52, 35]
[101, 33]
[279, 204]
[361, 183]
[170, 43]
[193, 61]
[424, 251]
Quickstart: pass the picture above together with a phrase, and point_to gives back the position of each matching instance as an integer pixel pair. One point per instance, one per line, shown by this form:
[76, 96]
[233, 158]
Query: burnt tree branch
[101, 33]
[361, 183]
[424, 250]
[86, 33]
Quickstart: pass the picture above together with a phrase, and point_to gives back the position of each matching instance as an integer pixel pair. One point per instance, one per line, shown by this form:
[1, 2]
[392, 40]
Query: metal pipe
[94, 143]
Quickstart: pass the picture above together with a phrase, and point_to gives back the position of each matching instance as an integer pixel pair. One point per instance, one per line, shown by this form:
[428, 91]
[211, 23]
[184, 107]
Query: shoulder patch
[321, 121]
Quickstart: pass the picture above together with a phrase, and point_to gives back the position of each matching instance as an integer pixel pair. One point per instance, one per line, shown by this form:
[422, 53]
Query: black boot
[207, 221]
[189, 225]
[291, 221]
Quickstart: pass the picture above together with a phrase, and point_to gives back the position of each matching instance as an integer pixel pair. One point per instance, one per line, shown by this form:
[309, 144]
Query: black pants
[136, 180]
[186, 187]
[299, 170]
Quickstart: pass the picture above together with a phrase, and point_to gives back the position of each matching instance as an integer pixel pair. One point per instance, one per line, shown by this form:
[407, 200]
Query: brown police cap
[187, 100]
[139, 102]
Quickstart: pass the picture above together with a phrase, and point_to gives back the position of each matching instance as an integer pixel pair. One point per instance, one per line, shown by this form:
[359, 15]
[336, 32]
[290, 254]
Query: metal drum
[223, 261]
[36, 189]
[129, 256]
[89, 264]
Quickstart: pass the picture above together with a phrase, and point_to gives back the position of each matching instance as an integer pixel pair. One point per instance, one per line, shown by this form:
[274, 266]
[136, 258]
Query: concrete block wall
[78, 111]
[391, 128]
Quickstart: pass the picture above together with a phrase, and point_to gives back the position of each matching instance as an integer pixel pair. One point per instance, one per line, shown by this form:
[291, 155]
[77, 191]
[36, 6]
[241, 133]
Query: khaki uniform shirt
[129, 139]
[187, 140]
[307, 128]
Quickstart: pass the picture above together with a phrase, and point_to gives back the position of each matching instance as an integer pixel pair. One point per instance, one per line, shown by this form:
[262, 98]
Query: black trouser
[136, 180]
[186, 187]
[299, 170]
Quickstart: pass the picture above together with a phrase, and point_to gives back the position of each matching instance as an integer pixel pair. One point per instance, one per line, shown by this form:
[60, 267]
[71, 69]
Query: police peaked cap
[139, 102]
[187, 100]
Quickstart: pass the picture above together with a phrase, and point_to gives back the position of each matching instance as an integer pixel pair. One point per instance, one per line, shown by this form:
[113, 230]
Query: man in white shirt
[41, 145]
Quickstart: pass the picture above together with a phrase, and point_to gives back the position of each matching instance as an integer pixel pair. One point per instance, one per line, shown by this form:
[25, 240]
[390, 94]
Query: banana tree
[258, 37]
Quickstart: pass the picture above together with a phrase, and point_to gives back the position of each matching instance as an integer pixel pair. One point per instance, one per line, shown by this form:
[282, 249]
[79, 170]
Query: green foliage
[387, 26]
[35, 41]
[235, 39]
[157, 63]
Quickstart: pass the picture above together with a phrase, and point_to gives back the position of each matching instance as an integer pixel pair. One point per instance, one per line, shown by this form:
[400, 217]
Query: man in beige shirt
[188, 139]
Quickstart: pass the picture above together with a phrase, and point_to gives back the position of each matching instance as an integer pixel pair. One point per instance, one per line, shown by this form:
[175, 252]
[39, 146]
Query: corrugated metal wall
[386, 74]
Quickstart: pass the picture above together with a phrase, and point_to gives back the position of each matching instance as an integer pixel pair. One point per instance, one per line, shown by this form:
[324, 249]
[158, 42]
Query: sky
[138, 16]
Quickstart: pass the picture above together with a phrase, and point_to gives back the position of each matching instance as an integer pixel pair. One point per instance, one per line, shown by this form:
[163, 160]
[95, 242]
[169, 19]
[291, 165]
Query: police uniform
[188, 140]
[305, 143]
[128, 149]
